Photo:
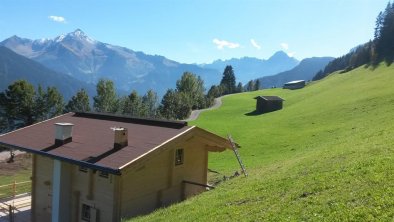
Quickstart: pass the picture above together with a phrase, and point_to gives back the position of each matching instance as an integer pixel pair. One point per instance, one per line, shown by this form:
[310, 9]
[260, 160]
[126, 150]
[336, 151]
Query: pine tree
[215, 91]
[175, 105]
[256, 85]
[378, 25]
[54, 104]
[250, 86]
[240, 88]
[133, 105]
[3, 124]
[384, 36]
[18, 103]
[193, 87]
[79, 102]
[48, 104]
[228, 80]
[106, 99]
[149, 101]
[40, 104]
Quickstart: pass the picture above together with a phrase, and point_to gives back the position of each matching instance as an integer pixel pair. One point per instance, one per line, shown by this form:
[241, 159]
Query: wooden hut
[297, 84]
[94, 167]
[265, 104]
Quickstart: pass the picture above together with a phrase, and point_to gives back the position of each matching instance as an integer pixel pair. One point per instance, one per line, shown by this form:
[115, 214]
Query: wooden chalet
[94, 167]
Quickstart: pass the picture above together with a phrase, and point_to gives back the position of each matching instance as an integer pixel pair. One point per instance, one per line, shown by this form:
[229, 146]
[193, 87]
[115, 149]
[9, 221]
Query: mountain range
[86, 59]
[15, 67]
[248, 68]
[82, 61]
[305, 70]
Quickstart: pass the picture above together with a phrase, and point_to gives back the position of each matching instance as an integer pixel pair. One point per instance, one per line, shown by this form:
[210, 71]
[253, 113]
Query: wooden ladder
[235, 149]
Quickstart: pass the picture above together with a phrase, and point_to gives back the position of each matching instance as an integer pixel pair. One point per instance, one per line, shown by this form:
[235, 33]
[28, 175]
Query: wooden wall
[96, 191]
[42, 185]
[154, 181]
[158, 182]
[86, 187]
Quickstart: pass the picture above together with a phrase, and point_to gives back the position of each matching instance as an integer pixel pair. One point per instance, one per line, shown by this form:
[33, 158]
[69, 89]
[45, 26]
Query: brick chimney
[63, 133]
[121, 137]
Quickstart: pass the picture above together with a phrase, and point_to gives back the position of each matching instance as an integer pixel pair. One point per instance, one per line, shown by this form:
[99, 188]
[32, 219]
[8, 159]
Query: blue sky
[202, 31]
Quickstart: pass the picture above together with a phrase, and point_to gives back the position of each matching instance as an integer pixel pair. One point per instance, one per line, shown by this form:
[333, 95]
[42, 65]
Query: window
[83, 169]
[178, 156]
[103, 174]
[85, 216]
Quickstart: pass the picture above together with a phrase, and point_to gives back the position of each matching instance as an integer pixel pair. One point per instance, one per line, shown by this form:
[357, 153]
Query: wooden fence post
[14, 189]
[11, 213]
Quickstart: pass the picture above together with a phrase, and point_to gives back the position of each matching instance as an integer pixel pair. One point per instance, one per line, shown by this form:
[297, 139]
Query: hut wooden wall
[263, 106]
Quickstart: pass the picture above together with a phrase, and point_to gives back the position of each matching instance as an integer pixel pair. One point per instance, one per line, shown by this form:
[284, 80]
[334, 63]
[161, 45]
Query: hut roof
[295, 82]
[270, 98]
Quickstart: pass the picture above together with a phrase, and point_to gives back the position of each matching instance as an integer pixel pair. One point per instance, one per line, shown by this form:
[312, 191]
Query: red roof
[93, 139]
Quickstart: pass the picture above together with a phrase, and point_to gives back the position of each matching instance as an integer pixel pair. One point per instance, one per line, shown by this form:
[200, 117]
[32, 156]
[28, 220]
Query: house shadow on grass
[253, 113]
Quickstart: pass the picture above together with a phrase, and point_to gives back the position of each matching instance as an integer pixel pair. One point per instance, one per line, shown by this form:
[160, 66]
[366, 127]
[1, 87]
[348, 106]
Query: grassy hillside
[327, 156]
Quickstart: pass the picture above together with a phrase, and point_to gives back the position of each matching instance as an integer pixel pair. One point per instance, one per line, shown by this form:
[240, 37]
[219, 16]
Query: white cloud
[255, 44]
[284, 46]
[221, 44]
[57, 18]
[291, 54]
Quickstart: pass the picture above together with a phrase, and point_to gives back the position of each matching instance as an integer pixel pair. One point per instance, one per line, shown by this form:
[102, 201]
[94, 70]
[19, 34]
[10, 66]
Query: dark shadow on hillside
[389, 61]
[375, 65]
[253, 113]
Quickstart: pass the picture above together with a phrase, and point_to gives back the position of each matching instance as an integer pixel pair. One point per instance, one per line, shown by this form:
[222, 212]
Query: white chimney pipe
[121, 137]
[63, 133]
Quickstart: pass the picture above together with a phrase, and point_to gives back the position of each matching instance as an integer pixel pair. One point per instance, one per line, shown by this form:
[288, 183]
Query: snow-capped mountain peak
[59, 38]
[43, 40]
[80, 35]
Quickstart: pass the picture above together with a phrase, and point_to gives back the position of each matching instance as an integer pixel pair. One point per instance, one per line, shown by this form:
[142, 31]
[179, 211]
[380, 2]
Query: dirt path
[195, 113]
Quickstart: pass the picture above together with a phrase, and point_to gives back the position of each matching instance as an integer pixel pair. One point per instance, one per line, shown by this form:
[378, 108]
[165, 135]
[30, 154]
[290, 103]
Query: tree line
[228, 85]
[380, 49]
[21, 104]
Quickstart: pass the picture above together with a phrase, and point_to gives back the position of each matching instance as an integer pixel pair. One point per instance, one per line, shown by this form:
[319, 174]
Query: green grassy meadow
[17, 172]
[328, 155]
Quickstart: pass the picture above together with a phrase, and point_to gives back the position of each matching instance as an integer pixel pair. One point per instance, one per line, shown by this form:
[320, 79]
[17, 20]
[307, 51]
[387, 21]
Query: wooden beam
[90, 195]
[33, 188]
[205, 173]
[214, 148]
[77, 196]
[117, 206]
[171, 168]
[56, 189]
[197, 184]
